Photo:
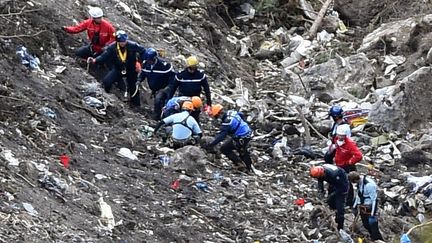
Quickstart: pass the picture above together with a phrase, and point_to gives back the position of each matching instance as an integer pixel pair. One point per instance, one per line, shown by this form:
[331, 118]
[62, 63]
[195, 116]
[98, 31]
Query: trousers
[125, 82]
[241, 145]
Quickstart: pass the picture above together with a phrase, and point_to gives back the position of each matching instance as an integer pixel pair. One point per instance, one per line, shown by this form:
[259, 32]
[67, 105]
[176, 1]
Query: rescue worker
[123, 55]
[174, 104]
[100, 33]
[185, 129]
[159, 74]
[336, 113]
[366, 203]
[347, 154]
[190, 82]
[233, 124]
[337, 189]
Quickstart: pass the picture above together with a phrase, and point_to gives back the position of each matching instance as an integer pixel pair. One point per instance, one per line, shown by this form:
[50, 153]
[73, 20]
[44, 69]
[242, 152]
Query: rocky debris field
[77, 165]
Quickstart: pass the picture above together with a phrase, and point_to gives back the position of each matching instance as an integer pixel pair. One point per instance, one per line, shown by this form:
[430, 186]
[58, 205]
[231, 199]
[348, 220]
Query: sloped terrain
[43, 115]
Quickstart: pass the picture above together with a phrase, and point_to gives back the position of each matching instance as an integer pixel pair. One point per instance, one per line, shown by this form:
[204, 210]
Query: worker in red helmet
[100, 33]
[338, 187]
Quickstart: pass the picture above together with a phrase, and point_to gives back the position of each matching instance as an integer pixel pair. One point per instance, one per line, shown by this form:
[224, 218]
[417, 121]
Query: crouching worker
[185, 129]
[233, 124]
[174, 104]
[366, 203]
[337, 190]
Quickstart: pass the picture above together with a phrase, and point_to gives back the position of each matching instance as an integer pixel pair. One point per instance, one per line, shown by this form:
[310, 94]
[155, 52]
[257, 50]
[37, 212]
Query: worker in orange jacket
[100, 33]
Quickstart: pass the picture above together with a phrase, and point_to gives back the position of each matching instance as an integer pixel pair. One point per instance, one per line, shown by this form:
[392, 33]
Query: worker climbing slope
[100, 33]
[123, 54]
[337, 190]
[159, 74]
[233, 124]
[190, 82]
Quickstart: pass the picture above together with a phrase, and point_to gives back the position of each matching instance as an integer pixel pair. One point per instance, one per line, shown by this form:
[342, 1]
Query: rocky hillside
[69, 151]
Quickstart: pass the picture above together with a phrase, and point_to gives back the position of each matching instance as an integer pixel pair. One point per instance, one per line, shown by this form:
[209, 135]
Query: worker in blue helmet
[159, 74]
[123, 55]
[336, 114]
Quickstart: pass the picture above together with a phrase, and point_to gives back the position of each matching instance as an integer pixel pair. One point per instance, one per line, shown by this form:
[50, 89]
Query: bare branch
[20, 36]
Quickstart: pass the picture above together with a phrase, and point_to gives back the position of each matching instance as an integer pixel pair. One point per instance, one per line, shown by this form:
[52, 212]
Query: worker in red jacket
[347, 154]
[100, 33]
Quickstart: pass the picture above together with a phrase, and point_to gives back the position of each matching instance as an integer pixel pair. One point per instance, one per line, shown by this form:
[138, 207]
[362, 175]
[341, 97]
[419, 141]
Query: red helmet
[317, 171]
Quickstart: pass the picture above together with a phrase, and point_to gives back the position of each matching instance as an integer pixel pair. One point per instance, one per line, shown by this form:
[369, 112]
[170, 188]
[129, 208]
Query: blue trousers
[125, 82]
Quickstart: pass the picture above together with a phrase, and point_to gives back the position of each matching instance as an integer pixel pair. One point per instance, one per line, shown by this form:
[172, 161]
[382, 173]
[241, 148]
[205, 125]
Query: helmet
[343, 129]
[121, 36]
[192, 61]
[187, 105]
[196, 101]
[216, 110]
[335, 111]
[95, 12]
[150, 54]
[317, 171]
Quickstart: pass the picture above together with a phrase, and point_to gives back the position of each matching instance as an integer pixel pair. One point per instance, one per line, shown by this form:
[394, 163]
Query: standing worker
[123, 54]
[185, 130]
[337, 190]
[233, 124]
[336, 113]
[190, 82]
[366, 203]
[159, 74]
[100, 33]
[347, 154]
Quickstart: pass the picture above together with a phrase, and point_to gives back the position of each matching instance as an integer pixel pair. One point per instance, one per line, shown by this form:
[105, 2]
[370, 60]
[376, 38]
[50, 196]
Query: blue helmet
[150, 54]
[336, 111]
[121, 36]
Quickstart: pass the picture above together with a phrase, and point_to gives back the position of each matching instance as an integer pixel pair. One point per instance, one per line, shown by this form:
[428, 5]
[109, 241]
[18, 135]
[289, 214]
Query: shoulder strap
[184, 123]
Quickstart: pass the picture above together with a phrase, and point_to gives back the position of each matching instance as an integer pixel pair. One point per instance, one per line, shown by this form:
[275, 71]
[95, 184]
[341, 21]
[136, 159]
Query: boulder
[354, 73]
[406, 105]
[190, 159]
[393, 36]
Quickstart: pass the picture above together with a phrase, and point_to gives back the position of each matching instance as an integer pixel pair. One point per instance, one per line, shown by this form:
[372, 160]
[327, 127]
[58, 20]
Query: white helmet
[343, 129]
[95, 12]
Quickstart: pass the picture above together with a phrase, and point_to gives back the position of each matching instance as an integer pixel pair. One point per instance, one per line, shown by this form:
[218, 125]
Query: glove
[320, 194]
[137, 83]
[208, 109]
[64, 28]
[355, 211]
[91, 60]
[331, 196]
[372, 220]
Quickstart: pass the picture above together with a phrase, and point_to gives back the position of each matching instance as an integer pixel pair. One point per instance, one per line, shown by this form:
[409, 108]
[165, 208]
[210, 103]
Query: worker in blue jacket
[337, 191]
[233, 124]
[190, 82]
[159, 74]
[366, 203]
[174, 104]
[123, 55]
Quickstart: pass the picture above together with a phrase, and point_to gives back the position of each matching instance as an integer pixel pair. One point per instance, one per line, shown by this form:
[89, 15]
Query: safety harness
[184, 123]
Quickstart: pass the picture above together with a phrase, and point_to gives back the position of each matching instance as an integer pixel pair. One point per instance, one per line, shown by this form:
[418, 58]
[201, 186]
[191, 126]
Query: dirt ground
[138, 191]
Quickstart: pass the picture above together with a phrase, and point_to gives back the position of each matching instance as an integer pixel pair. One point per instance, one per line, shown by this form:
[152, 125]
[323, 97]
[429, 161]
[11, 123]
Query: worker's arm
[206, 87]
[78, 28]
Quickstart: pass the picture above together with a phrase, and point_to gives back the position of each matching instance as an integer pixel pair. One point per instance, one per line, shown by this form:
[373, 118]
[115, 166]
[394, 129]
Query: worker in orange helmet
[233, 124]
[338, 187]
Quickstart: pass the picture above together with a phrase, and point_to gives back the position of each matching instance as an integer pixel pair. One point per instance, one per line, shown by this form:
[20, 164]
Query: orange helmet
[187, 105]
[317, 171]
[216, 110]
[196, 101]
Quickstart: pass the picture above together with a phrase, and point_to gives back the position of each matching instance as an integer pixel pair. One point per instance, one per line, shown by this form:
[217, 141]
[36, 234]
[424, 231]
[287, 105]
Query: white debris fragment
[127, 153]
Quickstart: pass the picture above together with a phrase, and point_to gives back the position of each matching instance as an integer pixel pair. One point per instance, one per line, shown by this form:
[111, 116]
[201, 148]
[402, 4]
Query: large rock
[354, 73]
[407, 105]
[190, 159]
[393, 36]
